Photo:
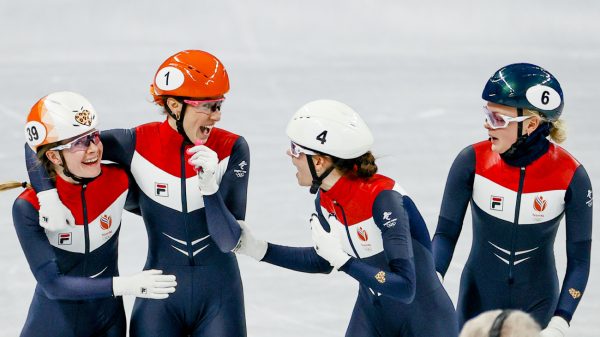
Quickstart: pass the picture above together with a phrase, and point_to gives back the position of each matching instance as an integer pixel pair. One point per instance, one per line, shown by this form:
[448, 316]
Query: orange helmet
[190, 73]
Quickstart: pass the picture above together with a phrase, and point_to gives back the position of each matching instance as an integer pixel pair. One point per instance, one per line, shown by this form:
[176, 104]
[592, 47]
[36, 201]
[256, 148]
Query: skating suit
[516, 213]
[74, 267]
[208, 300]
[382, 230]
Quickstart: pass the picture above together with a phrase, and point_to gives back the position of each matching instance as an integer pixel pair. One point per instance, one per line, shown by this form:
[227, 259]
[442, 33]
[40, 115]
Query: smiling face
[84, 163]
[198, 120]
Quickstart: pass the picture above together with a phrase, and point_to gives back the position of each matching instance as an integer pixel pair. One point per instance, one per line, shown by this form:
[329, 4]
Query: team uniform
[516, 211]
[381, 228]
[209, 296]
[74, 267]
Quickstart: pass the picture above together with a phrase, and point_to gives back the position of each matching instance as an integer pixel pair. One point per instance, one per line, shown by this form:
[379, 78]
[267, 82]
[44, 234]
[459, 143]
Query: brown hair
[558, 128]
[361, 167]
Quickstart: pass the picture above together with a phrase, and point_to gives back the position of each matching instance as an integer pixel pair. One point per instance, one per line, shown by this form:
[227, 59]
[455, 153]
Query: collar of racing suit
[528, 148]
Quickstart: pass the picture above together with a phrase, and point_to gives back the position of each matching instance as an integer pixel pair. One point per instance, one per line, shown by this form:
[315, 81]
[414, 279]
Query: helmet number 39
[322, 137]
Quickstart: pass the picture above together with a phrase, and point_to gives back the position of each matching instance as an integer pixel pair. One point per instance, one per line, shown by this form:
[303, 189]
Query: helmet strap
[68, 173]
[178, 119]
[520, 137]
[316, 179]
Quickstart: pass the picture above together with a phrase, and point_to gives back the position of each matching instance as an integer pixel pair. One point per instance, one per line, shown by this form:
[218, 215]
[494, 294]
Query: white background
[413, 69]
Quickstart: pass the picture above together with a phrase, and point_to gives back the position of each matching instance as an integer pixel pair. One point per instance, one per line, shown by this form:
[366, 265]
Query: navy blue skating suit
[182, 240]
[74, 267]
[516, 212]
[387, 239]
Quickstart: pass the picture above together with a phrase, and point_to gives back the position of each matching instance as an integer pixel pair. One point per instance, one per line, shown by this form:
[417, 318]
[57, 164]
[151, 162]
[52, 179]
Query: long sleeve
[457, 193]
[400, 281]
[302, 259]
[42, 261]
[578, 212]
[229, 203]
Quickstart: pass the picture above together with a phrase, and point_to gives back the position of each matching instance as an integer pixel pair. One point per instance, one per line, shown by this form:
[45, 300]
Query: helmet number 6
[322, 137]
[545, 97]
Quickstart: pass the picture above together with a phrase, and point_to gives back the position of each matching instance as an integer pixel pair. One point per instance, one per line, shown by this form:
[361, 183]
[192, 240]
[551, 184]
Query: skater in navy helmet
[75, 265]
[364, 225]
[184, 239]
[520, 185]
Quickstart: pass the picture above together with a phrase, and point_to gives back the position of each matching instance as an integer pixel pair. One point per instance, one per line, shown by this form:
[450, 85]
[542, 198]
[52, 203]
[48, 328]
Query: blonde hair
[517, 324]
[558, 128]
[9, 185]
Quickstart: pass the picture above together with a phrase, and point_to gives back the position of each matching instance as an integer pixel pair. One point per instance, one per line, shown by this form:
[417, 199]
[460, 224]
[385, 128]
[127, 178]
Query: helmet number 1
[167, 78]
[32, 134]
[322, 137]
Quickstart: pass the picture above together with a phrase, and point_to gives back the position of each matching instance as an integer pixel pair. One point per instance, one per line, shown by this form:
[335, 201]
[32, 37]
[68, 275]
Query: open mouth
[205, 130]
[91, 161]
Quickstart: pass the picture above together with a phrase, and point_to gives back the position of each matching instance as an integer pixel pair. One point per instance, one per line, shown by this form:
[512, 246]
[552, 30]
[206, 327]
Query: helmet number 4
[32, 134]
[322, 137]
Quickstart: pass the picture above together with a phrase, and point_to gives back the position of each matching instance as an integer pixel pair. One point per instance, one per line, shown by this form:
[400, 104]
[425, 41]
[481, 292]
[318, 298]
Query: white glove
[557, 327]
[54, 216]
[146, 284]
[249, 245]
[327, 245]
[206, 163]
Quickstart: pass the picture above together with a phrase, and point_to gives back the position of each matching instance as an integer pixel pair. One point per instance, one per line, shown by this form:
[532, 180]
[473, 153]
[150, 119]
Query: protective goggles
[498, 121]
[296, 150]
[80, 144]
[206, 106]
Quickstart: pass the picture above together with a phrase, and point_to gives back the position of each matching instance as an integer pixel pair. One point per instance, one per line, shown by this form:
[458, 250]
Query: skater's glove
[327, 245]
[557, 327]
[54, 216]
[206, 163]
[249, 245]
[146, 284]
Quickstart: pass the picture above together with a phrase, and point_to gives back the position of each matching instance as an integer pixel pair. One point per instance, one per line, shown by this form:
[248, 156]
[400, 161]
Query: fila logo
[105, 221]
[161, 190]
[64, 239]
[539, 204]
[496, 203]
[362, 234]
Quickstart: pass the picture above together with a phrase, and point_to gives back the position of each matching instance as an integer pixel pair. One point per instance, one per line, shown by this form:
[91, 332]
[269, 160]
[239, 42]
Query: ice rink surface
[413, 69]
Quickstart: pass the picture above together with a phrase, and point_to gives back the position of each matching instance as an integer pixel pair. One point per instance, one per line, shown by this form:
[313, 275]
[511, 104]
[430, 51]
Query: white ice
[413, 69]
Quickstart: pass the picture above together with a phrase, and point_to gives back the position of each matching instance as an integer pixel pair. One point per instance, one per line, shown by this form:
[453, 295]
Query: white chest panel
[100, 229]
[500, 202]
[165, 188]
[365, 236]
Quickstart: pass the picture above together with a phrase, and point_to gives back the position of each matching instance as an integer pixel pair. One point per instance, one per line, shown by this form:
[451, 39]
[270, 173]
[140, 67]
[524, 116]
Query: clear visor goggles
[80, 144]
[498, 121]
[296, 150]
[206, 106]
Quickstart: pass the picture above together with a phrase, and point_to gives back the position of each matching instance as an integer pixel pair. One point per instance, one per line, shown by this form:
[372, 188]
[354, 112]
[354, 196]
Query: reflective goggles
[206, 106]
[296, 150]
[80, 144]
[498, 121]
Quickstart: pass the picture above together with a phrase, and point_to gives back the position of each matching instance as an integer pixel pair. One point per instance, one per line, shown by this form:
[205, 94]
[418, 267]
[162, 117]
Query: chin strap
[521, 138]
[68, 173]
[316, 179]
[178, 119]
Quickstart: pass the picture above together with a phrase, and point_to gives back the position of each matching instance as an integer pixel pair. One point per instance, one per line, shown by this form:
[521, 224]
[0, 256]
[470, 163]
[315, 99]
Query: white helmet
[59, 116]
[332, 128]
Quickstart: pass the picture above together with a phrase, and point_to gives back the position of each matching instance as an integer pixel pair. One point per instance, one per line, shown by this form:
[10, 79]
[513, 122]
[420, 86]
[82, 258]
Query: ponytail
[558, 128]
[361, 167]
[13, 184]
